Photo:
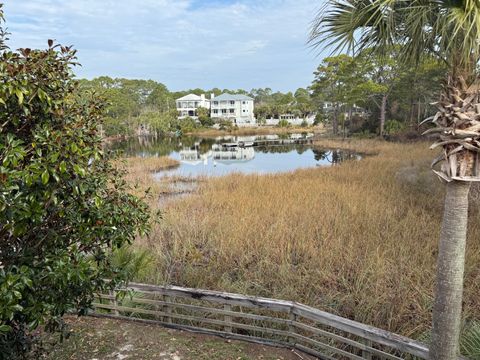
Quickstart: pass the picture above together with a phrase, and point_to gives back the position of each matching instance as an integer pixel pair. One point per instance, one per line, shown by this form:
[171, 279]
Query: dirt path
[98, 339]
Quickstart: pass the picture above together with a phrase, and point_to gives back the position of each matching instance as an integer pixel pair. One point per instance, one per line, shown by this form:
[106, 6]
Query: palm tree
[450, 31]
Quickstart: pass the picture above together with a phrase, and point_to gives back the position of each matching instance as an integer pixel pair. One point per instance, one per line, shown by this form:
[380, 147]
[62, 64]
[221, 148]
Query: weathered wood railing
[275, 322]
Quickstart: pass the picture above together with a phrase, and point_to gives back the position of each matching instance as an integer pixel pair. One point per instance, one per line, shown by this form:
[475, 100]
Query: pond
[207, 156]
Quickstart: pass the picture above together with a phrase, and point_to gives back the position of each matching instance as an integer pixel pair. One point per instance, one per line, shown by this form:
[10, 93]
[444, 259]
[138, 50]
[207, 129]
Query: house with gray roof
[236, 108]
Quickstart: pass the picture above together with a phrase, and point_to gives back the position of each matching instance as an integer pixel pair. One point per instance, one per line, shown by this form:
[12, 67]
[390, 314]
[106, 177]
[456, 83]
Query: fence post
[367, 354]
[114, 303]
[227, 318]
[168, 307]
[291, 328]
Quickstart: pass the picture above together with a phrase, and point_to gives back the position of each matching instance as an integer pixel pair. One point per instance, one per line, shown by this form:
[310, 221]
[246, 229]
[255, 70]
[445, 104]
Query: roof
[232, 97]
[190, 97]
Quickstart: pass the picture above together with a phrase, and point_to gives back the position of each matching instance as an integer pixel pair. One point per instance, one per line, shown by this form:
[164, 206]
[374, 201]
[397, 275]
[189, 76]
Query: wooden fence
[274, 322]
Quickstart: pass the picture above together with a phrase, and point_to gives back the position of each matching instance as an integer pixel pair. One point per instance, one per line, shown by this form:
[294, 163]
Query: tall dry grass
[139, 173]
[359, 239]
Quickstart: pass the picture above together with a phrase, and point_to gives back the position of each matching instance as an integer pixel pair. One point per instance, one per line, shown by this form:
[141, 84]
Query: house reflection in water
[192, 156]
[227, 153]
[222, 153]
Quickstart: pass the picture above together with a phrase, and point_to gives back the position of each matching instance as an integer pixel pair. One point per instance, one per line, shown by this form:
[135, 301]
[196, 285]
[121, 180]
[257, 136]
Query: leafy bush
[157, 122]
[187, 125]
[283, 123]
[136, 264]
[226, 125]
[204, 117]
[304, 123]
[319, 119]
[63, 205]
[393, 127]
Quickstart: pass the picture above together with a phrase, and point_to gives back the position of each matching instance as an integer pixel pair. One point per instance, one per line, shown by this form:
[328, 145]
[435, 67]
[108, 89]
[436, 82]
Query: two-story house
[187, 106]
[236, 108]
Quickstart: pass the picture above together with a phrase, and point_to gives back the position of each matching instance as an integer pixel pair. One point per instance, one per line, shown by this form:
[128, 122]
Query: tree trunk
[335, 120]
[350, 112]
[447, 309]
[383, 114]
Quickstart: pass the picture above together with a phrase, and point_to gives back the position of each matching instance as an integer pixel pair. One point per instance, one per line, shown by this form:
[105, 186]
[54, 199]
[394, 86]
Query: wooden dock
[274, 142]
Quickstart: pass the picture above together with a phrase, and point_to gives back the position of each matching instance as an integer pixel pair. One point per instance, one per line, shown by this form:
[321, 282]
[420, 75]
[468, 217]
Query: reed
[140, 171]
[358, 240]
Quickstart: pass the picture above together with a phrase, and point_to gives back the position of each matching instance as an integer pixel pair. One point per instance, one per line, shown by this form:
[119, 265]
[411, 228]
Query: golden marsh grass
[357, 239]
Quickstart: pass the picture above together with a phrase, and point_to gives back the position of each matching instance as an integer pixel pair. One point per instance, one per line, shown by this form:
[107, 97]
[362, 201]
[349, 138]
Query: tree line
[136, 103]
[366, 93]
[392, 95]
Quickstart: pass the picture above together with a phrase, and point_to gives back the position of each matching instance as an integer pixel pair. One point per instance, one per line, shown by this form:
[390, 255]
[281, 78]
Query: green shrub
[187, 125]
[470, 341]
[393, 127]
[204, 117]
[63, 205]
[283, 123]
[226, 125]
[320, 118]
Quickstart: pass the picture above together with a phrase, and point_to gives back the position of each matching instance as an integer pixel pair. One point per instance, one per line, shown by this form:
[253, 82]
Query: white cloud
[183, 43]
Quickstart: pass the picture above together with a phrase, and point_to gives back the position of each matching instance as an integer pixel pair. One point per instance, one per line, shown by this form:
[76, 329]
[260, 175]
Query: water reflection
[229, 154]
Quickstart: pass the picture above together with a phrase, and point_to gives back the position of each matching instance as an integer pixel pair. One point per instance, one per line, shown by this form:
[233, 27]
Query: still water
[265, 154]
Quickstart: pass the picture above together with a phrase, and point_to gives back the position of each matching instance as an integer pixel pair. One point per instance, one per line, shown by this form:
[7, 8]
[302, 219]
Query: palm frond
[470, 342]
[449, 29]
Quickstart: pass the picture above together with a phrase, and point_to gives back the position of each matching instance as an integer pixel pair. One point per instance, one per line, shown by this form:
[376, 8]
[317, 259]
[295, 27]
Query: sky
[184, 44]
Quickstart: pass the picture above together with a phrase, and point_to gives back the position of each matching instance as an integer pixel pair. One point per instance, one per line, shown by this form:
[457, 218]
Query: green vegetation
[63, 206]
[269, 105]
[381, 86]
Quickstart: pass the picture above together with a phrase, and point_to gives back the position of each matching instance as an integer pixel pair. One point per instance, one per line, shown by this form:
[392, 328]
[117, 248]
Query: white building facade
[236, 108]
[188, 105]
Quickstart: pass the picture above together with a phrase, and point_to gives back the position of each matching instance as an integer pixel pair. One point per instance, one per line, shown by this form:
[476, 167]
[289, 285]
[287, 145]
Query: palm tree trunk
[383, 114]
[447, 309]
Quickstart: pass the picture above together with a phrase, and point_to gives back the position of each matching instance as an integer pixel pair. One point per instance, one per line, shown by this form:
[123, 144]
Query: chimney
[212, 95]
[202, 97]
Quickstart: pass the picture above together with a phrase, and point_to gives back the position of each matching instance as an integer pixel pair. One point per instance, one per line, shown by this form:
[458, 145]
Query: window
[215, 111]
[232, 102]
[215, 103]
[224, 111]
[244, 110]
[244, 102]
[232, 111]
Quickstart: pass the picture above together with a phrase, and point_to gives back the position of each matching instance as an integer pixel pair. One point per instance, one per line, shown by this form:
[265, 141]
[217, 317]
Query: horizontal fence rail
[268, 321]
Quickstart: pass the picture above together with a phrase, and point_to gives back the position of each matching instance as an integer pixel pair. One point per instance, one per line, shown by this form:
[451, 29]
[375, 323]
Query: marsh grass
[358, 240]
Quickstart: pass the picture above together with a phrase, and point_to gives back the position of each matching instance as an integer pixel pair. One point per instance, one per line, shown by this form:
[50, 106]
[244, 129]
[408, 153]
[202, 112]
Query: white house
[236, 108]
[187, 106]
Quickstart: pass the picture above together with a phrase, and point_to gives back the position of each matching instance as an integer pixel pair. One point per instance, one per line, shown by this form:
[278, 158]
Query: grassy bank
[357, 239]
